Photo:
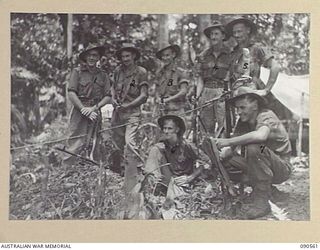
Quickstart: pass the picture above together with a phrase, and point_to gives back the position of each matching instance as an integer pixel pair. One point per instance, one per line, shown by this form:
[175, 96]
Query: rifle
[195, 120]
[91, 140]
[227, 112]
[196, 113]
[77, 156]
[210, 148]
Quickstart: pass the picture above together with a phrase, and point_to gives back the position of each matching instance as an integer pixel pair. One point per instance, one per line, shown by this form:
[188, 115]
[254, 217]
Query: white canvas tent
[291, 91]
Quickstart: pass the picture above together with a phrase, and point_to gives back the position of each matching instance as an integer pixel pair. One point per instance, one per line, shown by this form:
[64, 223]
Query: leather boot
[277, 195]
[116, 159]
[249, 198]
[259, 206]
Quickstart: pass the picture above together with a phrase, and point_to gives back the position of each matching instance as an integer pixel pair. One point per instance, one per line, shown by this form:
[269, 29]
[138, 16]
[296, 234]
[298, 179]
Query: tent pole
[299, 146]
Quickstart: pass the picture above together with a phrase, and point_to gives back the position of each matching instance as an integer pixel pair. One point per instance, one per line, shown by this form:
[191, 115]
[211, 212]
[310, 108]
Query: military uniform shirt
[90, 87]
[278, 139]
[259, 55]
[182, 157]
[127, 85]
[214, 69]
[169, 80]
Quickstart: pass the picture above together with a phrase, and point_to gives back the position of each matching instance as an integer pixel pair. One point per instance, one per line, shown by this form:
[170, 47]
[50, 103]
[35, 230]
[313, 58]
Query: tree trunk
[204, 22]
[184, 47]
[69, 37]
[64, 24]
[69, 56]
[163, 34]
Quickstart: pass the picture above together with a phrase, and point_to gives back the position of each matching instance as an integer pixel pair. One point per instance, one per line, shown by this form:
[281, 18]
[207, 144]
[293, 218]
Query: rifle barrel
[76, 155]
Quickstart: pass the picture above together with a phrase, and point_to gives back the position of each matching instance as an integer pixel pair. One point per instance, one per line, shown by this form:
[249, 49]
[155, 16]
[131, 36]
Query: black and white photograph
[159, 116]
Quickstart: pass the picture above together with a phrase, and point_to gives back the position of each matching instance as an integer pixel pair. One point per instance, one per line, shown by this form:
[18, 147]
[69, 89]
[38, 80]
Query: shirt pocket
[99, 88]
[173, 85]
[221, 70]
[100, 84]
[85, 86]
[134, 88]
[207, 69]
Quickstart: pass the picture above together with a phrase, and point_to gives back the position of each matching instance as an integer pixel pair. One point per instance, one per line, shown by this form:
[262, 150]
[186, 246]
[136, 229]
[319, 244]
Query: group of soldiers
[264, 159]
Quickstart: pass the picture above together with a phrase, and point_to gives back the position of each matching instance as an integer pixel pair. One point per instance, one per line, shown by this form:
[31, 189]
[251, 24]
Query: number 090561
[309, 246]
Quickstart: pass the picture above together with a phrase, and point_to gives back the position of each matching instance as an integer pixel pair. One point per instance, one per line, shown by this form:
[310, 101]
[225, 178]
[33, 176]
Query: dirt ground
[297, 205]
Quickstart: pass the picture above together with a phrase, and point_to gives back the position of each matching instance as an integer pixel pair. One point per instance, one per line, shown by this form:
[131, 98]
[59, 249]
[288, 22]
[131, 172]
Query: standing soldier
[129, 92]
[88, 91]
[243, 30]
[214, 64]
[172, 81]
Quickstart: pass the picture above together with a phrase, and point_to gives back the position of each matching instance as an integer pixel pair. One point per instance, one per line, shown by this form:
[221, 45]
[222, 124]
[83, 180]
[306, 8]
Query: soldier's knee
[253, 149]
[154, 150]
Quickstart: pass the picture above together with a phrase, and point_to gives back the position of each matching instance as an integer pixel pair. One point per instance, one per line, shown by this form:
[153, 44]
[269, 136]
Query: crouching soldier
[172, 156]
[267, 149]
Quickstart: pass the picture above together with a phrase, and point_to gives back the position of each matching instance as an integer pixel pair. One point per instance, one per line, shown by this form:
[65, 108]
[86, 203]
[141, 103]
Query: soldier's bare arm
[274, 67]
[142, 98]
[253, 137]
[183, 91]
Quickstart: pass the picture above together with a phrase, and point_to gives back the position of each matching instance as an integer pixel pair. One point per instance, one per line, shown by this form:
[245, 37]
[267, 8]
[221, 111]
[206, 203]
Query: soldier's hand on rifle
[190, 93]
[221, 142]
[115, 102]
[86, 111]
[161, 102]
[89, 112]
[93, 116]
[158, 100]
[194, 99]
[225, 153]
[122, 107]
[205, 165]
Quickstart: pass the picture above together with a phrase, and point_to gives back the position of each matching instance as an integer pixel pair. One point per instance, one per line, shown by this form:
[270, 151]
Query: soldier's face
[92, 57]
[240, 32]
[216, 36]
[127, 58]
[170, 130]
[167, 56]
[247, 110]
